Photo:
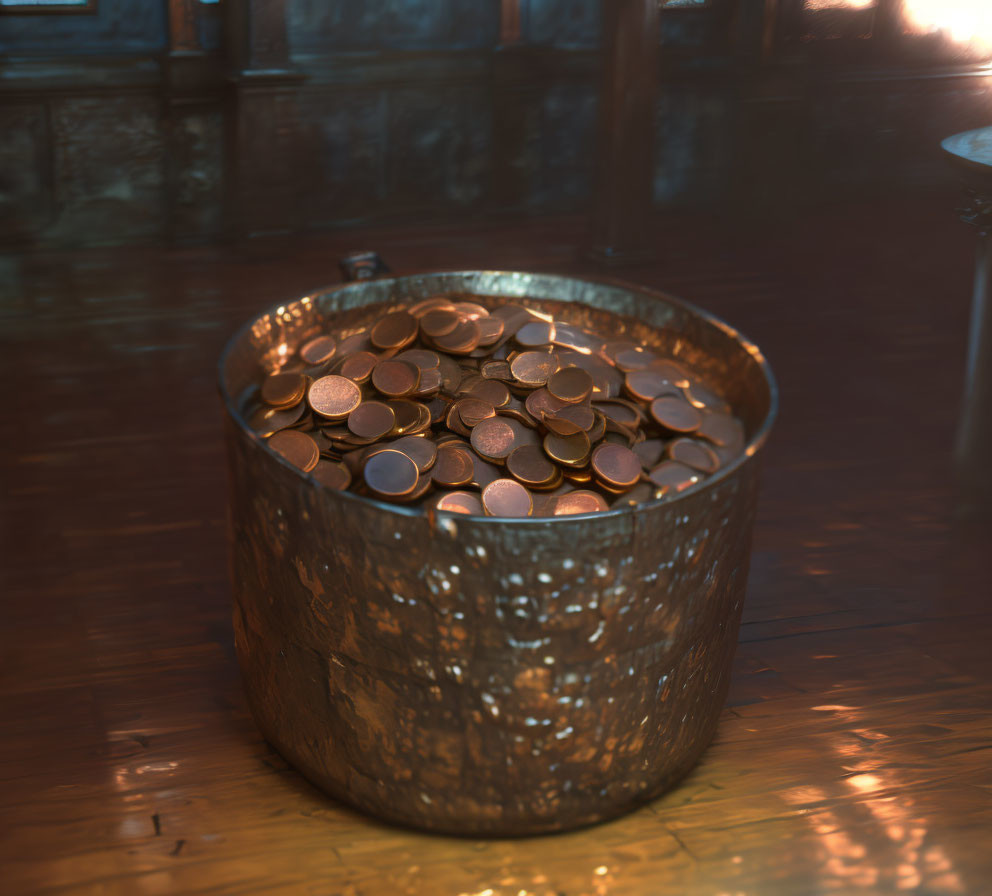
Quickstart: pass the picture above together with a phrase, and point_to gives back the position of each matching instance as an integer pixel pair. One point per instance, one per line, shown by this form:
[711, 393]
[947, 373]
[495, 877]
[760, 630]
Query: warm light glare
[964, 21]
[814, 5]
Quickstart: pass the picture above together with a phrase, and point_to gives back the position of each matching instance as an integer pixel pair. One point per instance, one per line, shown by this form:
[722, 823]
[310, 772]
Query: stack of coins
[503, 412]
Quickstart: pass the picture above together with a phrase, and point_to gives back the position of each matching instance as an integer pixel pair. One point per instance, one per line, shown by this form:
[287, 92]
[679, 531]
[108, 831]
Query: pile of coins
[503, 412]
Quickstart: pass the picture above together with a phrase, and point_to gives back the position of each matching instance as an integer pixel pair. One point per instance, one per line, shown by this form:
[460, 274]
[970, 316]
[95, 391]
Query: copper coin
[453, 467]
[639, 494]
[533, 368]
[408, 414]
[646, 385]
[571, 384]
[391, 473]
[434, 303]
[616, 466]
[334, 397]
[492, 391]
[423, 486]
[670, 475]
[701, 396]
[621, 412]
[675, 414]
[561, 426]
[572, 451]
[649, 452]
[522, 433]
[506, 497]
[395, 378]
[537, 332]
[371, 420]
[349, 345]
[439, 322]
[723, 430]
[530, 465]
[541, 402]
[396, 330]
[453, 421]
[580, 501]
[598, 428]
[359, 366]
[612, 349]
[296, 447]
[283, 390]
[266, 420]
[460, 502]
[422, 358]
[633, 359]
[318, 350]
[430, 382]
[332, 474]
[461, 340]
[494, 438]
[471, 310]
[490, 330]
[422, 451]
[672, 370]
[570, 419]
[576, 338]
[693, 453]
[474, 411]
[496, 370]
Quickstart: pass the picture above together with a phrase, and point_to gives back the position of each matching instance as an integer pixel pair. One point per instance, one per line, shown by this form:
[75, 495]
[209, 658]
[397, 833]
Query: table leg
[973, 452]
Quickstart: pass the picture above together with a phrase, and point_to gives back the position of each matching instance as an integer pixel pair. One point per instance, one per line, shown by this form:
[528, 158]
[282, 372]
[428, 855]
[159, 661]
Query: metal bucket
[484, 676]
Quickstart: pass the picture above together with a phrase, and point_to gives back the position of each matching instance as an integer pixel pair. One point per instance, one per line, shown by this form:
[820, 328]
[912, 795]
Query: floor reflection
[879, 837]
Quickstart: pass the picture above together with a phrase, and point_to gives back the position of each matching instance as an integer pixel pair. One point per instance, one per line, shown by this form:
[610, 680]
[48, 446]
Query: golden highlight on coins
[498, 411]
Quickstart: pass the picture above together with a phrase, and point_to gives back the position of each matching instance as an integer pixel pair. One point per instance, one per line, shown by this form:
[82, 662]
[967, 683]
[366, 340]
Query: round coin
[537, 332]
[267, 420]
[461, 340]
[723, 430]
[334, 397]
[453, 467]
[571, 384]
[359, 366]
[318, 350]
[530, 465]
[675, 414]
[395, 378]
[532, 369]
[646, 385]
[572, 451]
[396, 330]
[283, 390]
[616, 465]
[371, 420]
[670, 475]
[494, 438]
[332, 474]
[580, 501]
[460, 502]
[506, 497]
[422, 451]
[391, 473]
[296, 447]
[473, 411]
[439, 322]
[693, 453]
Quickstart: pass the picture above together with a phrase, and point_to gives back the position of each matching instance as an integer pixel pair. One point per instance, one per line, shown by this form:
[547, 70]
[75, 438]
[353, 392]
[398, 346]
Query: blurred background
[189, 121]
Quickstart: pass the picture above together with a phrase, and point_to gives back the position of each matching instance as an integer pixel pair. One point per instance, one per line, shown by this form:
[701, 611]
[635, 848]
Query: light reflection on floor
[879, 838]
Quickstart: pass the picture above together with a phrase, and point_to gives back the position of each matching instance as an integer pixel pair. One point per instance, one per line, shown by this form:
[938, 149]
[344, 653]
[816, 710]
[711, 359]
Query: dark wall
[117, 26]
[116, 128]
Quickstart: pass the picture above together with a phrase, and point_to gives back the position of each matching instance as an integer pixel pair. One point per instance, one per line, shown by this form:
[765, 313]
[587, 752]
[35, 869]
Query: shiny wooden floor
[854, 756]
